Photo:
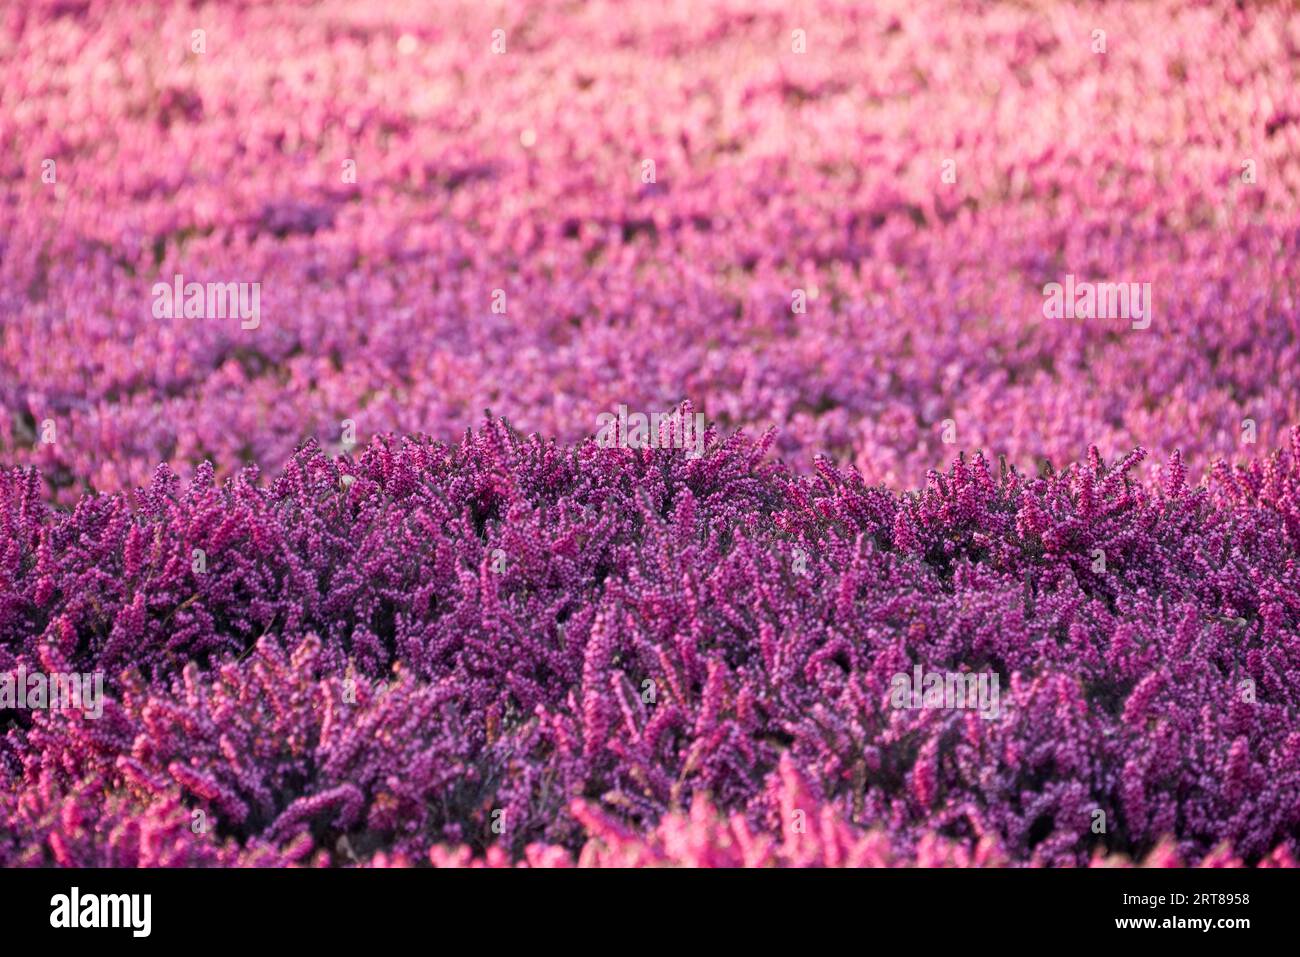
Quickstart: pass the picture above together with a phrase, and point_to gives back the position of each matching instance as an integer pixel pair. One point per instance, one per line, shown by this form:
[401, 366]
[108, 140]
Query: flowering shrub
[338, 626]
[522, 172]
[453, 644]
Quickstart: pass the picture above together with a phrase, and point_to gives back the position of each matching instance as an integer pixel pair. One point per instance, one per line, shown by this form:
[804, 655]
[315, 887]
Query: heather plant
[648, 641]
[260, 275]
[442, 223]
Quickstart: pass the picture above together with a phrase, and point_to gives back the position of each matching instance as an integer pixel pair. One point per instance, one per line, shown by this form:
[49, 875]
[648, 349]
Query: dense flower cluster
[437, 644]
[523, 171]
[830, 226]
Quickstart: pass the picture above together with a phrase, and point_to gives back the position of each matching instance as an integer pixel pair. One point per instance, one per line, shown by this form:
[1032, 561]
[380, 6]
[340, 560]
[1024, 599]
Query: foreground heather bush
[452, 645]
[776, 172]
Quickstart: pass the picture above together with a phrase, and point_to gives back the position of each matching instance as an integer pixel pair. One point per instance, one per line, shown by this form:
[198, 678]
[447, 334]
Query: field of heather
[335, 529]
